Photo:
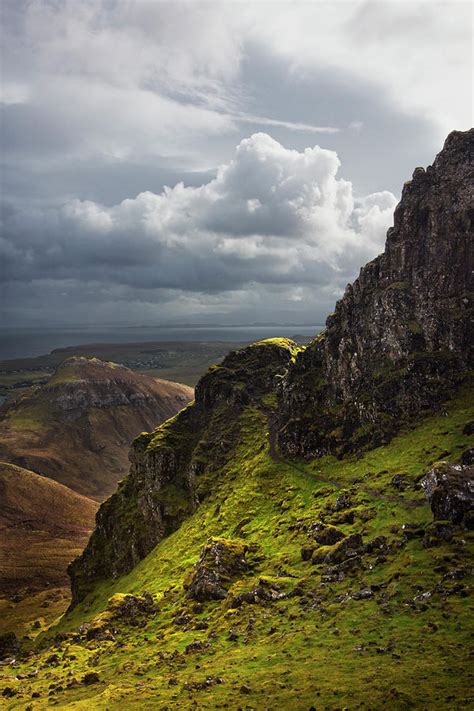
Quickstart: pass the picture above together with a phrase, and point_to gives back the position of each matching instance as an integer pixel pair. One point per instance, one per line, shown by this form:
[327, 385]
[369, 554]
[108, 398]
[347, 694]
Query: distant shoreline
[33, 342]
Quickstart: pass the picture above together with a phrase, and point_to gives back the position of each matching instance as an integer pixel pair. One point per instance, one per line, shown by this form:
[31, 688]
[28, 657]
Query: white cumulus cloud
[272, 216]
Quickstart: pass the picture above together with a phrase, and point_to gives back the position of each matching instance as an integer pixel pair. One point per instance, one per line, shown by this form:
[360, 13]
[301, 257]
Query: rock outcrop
[172, 467]
[401, 337]
[220, 561]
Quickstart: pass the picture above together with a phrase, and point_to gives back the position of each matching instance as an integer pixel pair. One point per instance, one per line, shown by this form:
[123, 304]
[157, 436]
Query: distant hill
[77, 427]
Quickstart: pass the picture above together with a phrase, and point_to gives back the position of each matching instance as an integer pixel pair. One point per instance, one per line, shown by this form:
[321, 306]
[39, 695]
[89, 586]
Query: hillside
[300, 536]
[44, 525]
[77, 427]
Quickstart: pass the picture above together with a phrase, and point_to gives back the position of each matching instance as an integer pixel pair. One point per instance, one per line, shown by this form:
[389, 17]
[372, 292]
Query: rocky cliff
[401, 337]
[397, 344]
[174, 467]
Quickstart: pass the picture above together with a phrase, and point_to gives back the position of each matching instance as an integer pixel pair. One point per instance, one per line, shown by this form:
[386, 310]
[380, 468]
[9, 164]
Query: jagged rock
[264, 592]
[342, 502]
[245, 374]
[400, 339]
[376, 545]
[196, 646]
[307, 552]
[201, 685]
[437, 533]
[219, 562]
[364, 594]
[8, 692]
[450, 491]
[90, 678]
[99, 633]
[412, 530]
[399, 482]
[132, 608]
[9, 645]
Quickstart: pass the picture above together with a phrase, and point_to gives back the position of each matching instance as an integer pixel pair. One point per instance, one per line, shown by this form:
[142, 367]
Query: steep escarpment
[175, 467]
[77, 427]
[400, 339]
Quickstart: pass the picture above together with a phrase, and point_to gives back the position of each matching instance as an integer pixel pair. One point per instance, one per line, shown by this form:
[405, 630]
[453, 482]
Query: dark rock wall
[401, 336]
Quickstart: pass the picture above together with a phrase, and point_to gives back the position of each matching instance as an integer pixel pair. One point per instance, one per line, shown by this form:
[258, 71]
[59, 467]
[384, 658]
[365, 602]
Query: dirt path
[370, 491]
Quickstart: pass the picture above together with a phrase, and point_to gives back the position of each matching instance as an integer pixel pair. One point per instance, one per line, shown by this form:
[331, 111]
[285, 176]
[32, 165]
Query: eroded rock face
[400, 338]
[450, 491]
[220, 561]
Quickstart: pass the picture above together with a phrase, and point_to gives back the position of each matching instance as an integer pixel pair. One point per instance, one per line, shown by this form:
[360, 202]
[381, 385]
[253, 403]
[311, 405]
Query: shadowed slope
[43, 526]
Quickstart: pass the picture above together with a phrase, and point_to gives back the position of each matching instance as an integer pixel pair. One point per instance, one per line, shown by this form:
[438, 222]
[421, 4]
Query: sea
[30, 342]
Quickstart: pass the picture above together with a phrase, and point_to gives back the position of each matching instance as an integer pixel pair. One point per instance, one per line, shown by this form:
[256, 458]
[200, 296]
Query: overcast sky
[171, 162]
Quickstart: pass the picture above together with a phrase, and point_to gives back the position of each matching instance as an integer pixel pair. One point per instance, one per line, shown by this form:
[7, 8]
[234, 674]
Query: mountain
[396, 347]
[301, 535]
[77, 427]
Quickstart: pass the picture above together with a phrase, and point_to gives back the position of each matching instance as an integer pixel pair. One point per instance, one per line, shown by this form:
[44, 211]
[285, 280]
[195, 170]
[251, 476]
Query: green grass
[322, 648]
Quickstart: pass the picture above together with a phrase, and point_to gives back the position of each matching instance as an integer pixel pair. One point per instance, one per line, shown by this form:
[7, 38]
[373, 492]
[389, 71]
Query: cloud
[105, 100]
[291, 125]
[271, 218]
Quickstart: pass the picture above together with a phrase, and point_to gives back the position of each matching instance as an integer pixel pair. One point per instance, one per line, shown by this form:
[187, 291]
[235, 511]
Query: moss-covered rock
[221, 561]
[175, 467]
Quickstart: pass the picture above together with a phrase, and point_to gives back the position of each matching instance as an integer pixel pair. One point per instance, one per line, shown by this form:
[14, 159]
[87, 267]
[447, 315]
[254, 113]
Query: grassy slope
[322, 649]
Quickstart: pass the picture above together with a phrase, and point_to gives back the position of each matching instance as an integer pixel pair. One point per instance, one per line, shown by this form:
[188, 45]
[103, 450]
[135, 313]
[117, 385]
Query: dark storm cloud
[272, 216]
[105, 103]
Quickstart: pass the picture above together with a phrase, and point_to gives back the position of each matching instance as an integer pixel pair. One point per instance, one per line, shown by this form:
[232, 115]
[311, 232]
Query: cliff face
[397, 344]
[401, 336]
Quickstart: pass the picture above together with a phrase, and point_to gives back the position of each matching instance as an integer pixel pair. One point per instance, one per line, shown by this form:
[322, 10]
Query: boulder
[220, 561]
[325, 534]
[450, 491]
[132, 610]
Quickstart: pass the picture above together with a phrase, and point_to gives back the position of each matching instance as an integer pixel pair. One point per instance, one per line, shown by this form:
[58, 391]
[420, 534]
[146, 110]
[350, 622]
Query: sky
[212, 162]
